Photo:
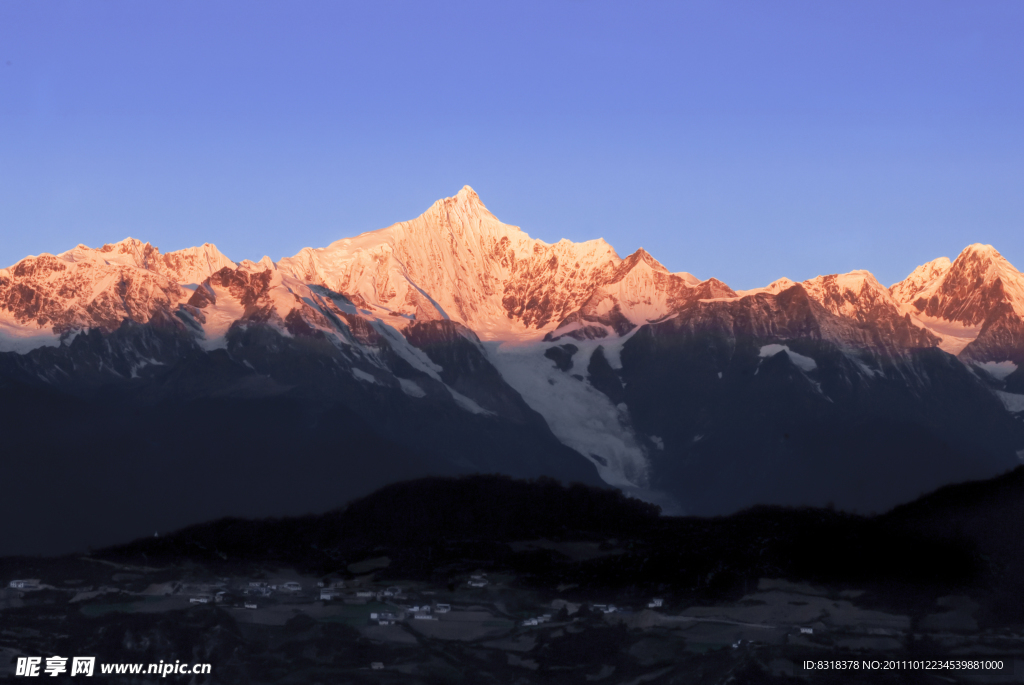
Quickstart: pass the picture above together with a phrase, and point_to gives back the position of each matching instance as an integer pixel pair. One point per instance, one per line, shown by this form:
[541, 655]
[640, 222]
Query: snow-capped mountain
[458, 262]
[920, 279]
[463, 344]
[965, 291]
[44, 297]
[974, 305]
[639, 291]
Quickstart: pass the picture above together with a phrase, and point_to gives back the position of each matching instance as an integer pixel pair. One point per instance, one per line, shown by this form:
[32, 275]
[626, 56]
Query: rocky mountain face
[457, 261]
[977, 301]
[966, 290]
[454, 343]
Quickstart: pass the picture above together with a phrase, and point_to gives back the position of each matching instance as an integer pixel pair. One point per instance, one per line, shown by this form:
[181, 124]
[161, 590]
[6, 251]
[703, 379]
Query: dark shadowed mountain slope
[464, 345]
[270, 425]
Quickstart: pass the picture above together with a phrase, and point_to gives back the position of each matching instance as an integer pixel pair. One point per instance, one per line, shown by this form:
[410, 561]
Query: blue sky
[742, 140]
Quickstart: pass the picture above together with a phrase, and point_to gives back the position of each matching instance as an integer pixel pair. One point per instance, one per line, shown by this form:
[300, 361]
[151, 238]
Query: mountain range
[142, 390]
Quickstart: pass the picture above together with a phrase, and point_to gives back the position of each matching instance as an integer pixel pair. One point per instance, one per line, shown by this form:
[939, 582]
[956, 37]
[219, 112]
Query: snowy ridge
[773, 288]
[364, 297]
[852, 295]
[458, 262]
[639, 291]
[924, 278]
[190, 265]
[194, 264]
[966, 292]
[956, 301]
[82, 290]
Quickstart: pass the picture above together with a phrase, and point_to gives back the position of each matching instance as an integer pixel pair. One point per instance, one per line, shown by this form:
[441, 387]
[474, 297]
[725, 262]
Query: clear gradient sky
[743, 140]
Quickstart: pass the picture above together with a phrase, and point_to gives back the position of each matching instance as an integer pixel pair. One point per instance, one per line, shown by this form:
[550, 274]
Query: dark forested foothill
[534, 581]
[439, 523]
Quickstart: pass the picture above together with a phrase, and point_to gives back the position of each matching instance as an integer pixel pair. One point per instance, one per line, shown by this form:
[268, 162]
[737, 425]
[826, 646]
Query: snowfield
[579, 415]
[803, 363]
[998, 370]
[1013, 403]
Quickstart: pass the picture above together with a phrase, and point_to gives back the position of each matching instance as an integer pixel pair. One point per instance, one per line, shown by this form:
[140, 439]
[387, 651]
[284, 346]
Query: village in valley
[280, 625]
[403, 587]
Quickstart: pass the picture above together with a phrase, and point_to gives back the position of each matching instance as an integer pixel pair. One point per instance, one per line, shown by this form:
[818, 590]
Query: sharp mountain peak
[458, 261]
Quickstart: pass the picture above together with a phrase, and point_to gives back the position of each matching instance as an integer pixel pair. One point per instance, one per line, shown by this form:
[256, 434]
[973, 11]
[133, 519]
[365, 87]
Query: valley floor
[480, 628]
